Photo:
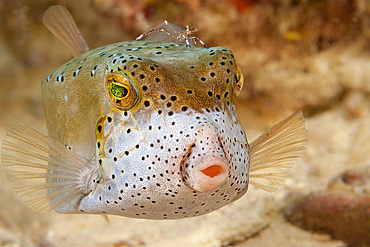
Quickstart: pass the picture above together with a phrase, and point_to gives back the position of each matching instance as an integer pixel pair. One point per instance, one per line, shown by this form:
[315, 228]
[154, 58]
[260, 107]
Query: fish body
[145, 129]
[183, 116]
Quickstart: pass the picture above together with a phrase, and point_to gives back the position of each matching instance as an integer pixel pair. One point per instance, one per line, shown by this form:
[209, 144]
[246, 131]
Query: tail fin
[274, 152]
[45, 174]
[60, 22]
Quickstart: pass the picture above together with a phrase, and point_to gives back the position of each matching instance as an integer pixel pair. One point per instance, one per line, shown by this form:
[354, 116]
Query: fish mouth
[205, 168]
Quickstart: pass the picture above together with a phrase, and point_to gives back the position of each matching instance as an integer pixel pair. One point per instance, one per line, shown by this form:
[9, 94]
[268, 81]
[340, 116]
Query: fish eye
[238, 82]
[120, 90]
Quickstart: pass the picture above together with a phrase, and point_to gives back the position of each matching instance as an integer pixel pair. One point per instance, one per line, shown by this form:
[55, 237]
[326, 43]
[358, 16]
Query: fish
[144, 129]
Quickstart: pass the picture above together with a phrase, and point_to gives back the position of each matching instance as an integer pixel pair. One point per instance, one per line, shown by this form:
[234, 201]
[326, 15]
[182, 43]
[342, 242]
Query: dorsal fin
[60, 22]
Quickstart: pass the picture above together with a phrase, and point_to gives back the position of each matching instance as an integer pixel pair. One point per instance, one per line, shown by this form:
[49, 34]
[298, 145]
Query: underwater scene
[205, 123]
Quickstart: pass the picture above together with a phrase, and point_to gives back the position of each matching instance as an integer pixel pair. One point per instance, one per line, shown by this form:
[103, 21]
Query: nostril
[213, 171]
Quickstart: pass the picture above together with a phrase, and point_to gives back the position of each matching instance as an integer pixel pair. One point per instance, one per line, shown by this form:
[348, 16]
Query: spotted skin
[184, 112]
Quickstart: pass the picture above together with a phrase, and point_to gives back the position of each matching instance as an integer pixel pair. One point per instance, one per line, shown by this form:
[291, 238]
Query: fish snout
[205, 166]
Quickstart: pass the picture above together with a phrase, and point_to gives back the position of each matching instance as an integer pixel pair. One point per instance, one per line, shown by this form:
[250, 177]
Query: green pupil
[237, 77]
[118, 92]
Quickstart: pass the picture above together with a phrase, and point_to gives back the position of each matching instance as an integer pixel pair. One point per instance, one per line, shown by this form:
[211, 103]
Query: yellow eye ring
[120, 91]
[238, 82]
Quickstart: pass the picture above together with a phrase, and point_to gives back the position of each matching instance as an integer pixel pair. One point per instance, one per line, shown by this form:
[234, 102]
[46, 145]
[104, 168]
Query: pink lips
[205, 167]
[209, 173]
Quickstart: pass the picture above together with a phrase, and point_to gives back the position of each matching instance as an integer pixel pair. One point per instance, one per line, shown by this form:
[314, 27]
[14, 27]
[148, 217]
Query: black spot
[152, 68]
[135, 66]
[145, 88]
[113, 176]
[203, 79]
[169, 104]
[163, 97]
[173, 98]
[99, 128]
[109, 119]
[189, 92]
[170, 113]
[210, 63]
[210, 94]
[157, 79]
[132, 73]
[184, 108]
[142, 76]
[146, 103]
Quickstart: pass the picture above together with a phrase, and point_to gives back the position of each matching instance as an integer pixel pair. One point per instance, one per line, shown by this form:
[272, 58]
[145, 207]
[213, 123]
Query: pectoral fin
[44, 173]
[273, 154]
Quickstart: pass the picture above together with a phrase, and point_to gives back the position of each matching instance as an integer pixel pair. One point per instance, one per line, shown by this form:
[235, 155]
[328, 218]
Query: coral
[343, 211]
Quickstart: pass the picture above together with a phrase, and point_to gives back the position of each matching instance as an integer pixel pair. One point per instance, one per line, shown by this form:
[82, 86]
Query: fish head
[169, 125]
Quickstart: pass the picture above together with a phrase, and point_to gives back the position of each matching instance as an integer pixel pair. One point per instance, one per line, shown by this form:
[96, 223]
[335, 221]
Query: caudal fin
[60, 22]
[273, 154]
[45, 174]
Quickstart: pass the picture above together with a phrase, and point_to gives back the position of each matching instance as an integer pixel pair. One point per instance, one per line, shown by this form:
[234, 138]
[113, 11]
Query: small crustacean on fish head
[144, 129]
